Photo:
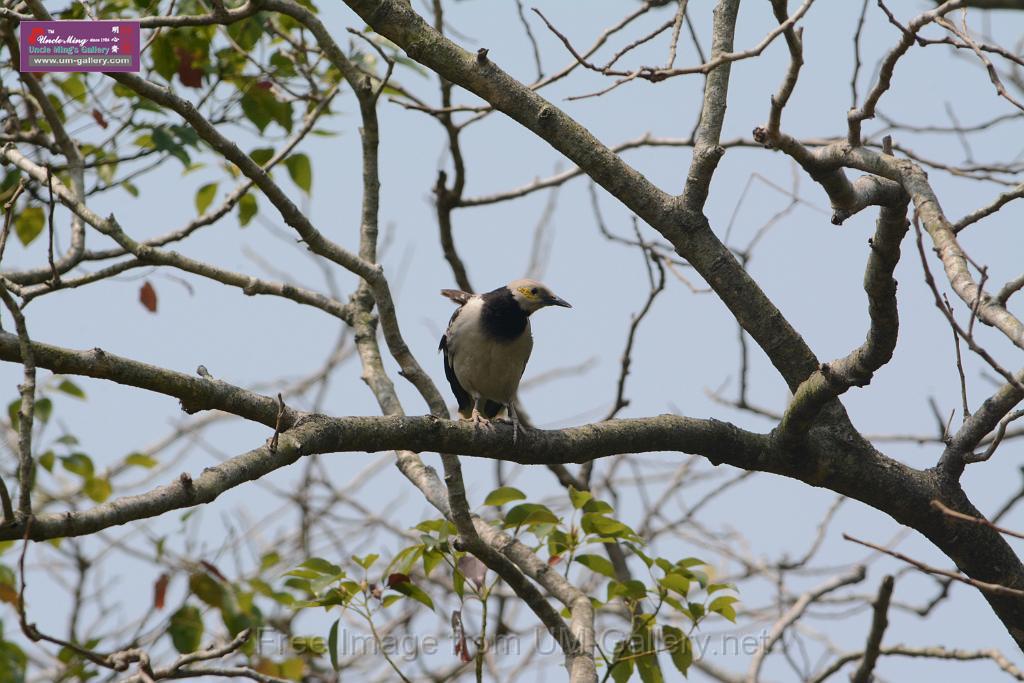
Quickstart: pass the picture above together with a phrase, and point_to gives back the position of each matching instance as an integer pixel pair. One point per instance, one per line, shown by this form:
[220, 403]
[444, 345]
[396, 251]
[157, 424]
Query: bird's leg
[514, 417]
[477, 419]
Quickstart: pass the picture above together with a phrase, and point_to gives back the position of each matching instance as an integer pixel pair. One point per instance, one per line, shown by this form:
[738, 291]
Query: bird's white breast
[485, 366]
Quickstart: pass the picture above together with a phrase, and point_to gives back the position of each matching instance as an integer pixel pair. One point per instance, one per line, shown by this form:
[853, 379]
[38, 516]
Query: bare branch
[983, 586]
[879, 622]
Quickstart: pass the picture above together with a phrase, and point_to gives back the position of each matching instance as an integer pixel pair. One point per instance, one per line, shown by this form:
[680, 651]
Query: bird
[487, 345]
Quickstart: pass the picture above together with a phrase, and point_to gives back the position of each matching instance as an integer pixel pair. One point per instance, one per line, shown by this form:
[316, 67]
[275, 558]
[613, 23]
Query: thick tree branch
[706, 150]
[860, 365]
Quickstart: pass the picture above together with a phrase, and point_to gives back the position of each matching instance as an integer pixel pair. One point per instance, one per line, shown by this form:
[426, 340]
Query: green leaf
[415, 592]
[261, 107]
[332, 644]
[690, 562]
[679, 647]
[404, 559]
[579, 498]
[431, 558]
[12, 663]
[630, 590]
[367, 561]
[594, 523]
[676, 582]
[650, 669]
[622, 668]
[724, 605]
[301, 171]
[293, 667]
[73, 87]
[78, 463]
[246, 33]
[71, 389]
[305, 574]
[28, 223]
[262, 155]
[204, 197]
[527, 514]
[338, 596]
[269, 560]
[622, 671]
[559, 542]
[322, 566]
[283, 66]
[676, 604]
[186, 629]
[502, 495]
[639, 553]
[165, 62]
[459, 583]
[247, 208]
[255, 111]
[598, 506]
[598, 564]
[436, 526]
[165, 142]
[43, 409]
[46, 460]
[97, 488]
[207, 589]
[140, 460]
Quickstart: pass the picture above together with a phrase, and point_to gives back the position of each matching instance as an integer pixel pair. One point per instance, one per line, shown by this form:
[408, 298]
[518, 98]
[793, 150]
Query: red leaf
[147, 296]
[160, 591]
[461, 647]
[264, 85]
[97, 115]
[213, 570]
[396, 579]
[187, 71]
[554, 559]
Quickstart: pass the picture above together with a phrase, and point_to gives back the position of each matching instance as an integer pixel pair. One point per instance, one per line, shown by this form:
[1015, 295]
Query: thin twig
[983, 586]
[949, 512]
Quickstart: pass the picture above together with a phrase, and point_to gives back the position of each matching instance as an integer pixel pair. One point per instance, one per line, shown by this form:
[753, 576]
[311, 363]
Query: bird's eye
[533, 291]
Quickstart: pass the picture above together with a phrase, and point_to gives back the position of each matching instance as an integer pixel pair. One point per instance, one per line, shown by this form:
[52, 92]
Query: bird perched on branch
[487, 344]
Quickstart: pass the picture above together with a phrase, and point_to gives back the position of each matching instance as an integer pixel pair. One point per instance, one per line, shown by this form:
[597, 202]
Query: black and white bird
[487, 345]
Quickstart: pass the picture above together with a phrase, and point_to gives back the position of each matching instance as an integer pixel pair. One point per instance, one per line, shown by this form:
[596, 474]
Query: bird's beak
[558, 301]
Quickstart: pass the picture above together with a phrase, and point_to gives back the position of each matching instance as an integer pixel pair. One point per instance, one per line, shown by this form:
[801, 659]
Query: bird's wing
[461, 395]
[456, 295]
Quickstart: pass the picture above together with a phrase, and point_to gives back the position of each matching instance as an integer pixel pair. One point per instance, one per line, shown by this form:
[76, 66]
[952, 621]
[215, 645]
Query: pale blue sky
[810, 268]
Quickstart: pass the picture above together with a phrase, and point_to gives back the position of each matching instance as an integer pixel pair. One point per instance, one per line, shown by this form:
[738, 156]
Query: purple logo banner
[80, 46]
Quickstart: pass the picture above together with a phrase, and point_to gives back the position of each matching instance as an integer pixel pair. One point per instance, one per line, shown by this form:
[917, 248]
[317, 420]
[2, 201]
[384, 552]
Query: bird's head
[532, 295]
